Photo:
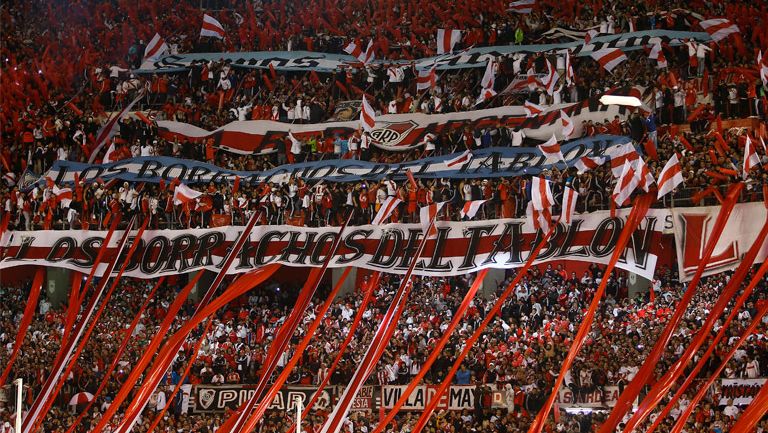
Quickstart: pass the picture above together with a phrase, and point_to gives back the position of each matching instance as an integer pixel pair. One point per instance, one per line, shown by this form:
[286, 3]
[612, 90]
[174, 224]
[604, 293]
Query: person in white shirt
[148, 149]
[392, 107]
[731, 410]
[517, 137]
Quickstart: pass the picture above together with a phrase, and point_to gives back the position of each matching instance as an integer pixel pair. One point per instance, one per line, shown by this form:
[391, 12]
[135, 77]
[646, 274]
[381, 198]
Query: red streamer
[435, 351]
[646, 370]
[662, 387]
[639, 209]
[430, 408]
[26, 320]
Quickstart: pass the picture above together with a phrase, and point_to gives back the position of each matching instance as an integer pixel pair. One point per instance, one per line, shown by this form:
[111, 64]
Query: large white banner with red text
[692, 231]
[458, 247]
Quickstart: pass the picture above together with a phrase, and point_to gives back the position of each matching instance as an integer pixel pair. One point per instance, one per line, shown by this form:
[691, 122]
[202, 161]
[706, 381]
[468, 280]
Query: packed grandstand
[383, 217]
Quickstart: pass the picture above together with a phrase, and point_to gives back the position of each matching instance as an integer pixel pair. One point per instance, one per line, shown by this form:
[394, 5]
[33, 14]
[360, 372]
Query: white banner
[693, 227]
[605, 397]
[458, 248]
[457, 397]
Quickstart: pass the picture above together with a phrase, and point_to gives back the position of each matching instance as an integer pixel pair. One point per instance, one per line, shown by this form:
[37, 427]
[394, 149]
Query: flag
[619, 154]
[411, 179]
[626, 184]
[658, 55]
[367, 116]
[590, 34]
[586, 163]
[569, 205]
[462, 159]
[155, 48]
[551, 150]
[485, 95]
[110, 128]
[63, 196]
[522, 6]
[470, 208]
[643, 173]
[551, 79]
[385, 211]
[609, 58]
[108, 154]
[10, 178]
[446, 40]
[531, 109]
[762, 66]
[531, 79]
[542, 219]
[541, 193]
[212, 28]
[719, 28]
[670, 177]
[356, 51]
[184, 194]
[570, 77]
[751, 160]
[426, 79]
[489, 77]
[567, 124]
[427, 214]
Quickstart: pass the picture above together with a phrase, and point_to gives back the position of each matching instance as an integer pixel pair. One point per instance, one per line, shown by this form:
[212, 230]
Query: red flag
[411, 179]
[236, 186]
[272, 71]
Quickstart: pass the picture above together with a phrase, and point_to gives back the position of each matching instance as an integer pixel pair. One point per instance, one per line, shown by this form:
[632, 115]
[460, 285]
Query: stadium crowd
[518, 353]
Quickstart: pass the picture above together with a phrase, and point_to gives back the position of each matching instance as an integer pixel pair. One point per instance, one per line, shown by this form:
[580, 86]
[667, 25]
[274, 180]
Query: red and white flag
[108, 154]
[719, 28]
[522, 6]
[609, 58]
[367, 116]
[658, 55]
[645, 178]
[542, 219]
[570, 77]
[590, 34]
[426, 79]
[386, 209]
[620, 154]
[531, 79]
[489, 77]
[63, 196]
[110, 128]
[155, 48]
[485, 95]
[551, 150]
[551, 79]
[462, 159]
[626, 184]
[670, 177]
[751, 160]
[531, 109]
[427, 214]
[356, 51]
[213, 28]
[762, 66]
[586, 163]
[541, 193]
[569, 205]
[184, 194]
[470, 208]
[567, 123]
[446, 40]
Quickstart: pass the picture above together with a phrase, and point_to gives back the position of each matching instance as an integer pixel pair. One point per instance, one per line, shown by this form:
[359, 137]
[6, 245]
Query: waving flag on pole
[462, 159]
[609, 58]
[522, 6]
[531, 109]
[626, 184]
[446, 40]
[590, 34]
[586, 163]
[762, 66]
[385, 211]
[485, 95]
[751, 160]
[184, 194]
[356, 51]
[568, 205]
[426, 79]
[542, 219]
[551, 79]
[658, 55]
[551, 150]
[670, 177]
[619, 154]
[489, 77]
[645, 178]
[367, 116]
[570, 77]
[470, 208]
[211, 27]
[110, 128]
[427, 214]
[567, 124]
[719, 28]
[63, 196]
[155, 48]
[541, 193]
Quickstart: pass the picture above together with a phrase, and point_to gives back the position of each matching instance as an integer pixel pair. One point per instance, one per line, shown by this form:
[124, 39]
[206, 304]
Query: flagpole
[19, 390]
[299, 409]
